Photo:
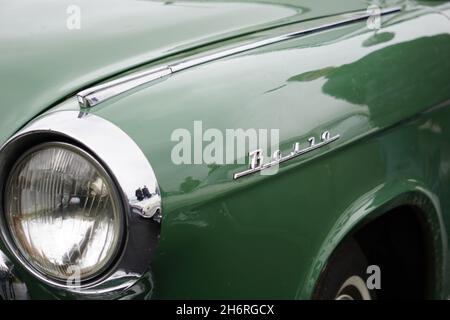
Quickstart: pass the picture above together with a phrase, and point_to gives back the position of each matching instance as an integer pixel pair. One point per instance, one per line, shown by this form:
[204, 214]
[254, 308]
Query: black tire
[347, 261]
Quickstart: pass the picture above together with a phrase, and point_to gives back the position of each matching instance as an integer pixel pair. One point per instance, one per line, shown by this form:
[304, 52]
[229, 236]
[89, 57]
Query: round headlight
[63, 212]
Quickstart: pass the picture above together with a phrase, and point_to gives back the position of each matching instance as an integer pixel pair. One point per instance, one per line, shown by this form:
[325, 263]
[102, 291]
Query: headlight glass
[63, 212]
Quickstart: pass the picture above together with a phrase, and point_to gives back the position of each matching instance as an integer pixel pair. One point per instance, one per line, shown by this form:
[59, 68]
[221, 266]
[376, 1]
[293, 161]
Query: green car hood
[43, 61]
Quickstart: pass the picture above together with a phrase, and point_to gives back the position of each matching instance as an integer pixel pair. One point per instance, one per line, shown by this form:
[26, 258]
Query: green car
[215, 149]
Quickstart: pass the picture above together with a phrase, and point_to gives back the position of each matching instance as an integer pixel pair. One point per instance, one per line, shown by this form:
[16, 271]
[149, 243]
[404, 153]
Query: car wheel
[344, 277]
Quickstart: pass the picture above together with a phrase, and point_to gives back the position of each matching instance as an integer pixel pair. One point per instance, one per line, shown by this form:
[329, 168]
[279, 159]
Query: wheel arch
[376, 203]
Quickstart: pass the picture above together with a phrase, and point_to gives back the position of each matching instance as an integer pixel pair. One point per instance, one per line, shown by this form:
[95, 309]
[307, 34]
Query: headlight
[63, 212]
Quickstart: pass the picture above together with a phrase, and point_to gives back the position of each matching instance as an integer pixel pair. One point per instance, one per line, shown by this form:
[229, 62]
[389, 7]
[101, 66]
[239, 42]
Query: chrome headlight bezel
[128, 169]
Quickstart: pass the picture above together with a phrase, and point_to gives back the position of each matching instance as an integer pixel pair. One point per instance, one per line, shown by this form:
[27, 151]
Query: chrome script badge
[257, 159]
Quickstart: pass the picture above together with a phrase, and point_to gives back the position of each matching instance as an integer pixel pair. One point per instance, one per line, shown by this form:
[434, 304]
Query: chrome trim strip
[129, 168]
[97, 94]
[258, 44]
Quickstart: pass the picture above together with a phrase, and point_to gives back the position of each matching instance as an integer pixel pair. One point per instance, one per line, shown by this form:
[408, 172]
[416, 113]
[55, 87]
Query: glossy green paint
[385, 92]
[42, 61]
[259, 237]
